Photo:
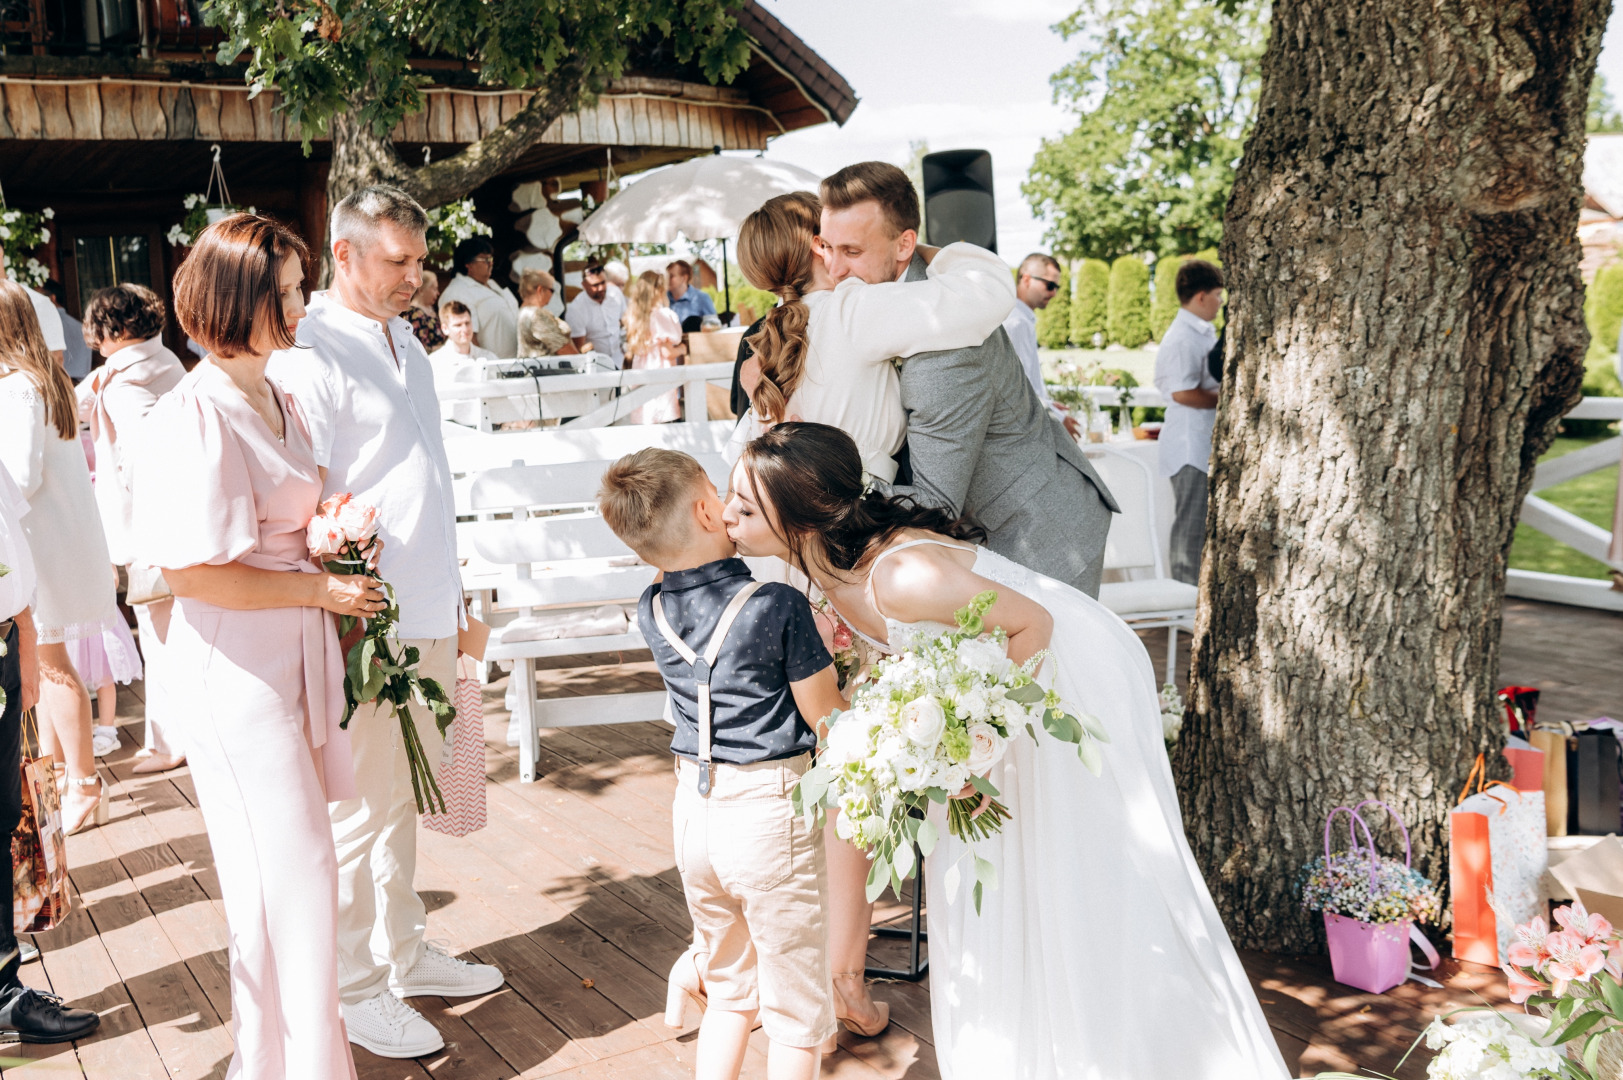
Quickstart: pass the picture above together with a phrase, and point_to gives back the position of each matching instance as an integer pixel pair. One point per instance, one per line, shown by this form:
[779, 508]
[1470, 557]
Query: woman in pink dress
[653, 340]
[225, 483]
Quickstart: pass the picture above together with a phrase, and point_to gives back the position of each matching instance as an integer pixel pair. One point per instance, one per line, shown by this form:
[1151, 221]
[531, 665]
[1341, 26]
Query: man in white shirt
[455, 361]
[50, 323]
[494, 307]
[1185, 381]
[365, 385]
[594, 318]
[1036, 286]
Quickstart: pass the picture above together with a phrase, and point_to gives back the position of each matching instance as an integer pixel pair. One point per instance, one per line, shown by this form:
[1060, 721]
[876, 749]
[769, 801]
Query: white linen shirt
[1021, 326]
[17, 586]
[599, 324]
[50, 320]
[1180, 364]
[495, 313]
[375, 428]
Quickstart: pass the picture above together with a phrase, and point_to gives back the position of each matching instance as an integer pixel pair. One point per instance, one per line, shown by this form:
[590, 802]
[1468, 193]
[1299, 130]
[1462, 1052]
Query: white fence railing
[598, 399]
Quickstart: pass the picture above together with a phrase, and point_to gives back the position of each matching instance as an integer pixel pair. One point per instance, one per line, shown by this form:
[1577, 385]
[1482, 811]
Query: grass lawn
[1591, 497]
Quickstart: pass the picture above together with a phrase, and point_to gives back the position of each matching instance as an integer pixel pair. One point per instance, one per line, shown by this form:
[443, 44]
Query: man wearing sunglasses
[1036, 286]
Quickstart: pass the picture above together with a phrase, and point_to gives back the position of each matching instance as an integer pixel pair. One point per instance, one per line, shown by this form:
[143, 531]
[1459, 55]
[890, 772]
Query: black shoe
[35, 1017]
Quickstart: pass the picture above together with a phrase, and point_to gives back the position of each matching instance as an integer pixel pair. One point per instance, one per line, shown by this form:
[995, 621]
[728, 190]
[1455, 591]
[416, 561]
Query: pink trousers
[239, 681]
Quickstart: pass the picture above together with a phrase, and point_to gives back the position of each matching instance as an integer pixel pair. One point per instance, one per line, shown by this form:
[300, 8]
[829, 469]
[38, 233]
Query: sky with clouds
[957, 74]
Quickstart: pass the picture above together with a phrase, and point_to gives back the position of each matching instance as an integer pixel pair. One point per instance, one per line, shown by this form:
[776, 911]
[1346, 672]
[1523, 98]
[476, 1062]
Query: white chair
[1146, 603]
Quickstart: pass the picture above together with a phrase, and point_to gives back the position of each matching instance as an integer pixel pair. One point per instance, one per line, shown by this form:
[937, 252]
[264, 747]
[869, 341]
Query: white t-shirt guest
[495, 308]
[50, 321]
[594, 318]
[1180, 364]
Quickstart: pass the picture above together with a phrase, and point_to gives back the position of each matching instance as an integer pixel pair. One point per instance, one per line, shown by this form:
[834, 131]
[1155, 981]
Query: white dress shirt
[17, 586]
[1021, 326]
[599, 324]
[375, 427]
[450, 366]
[1180, 364]
[50, 321]
[855, 330]
[495, 313]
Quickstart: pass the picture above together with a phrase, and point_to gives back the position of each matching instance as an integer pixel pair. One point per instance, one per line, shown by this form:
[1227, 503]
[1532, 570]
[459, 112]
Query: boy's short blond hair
[645, 499]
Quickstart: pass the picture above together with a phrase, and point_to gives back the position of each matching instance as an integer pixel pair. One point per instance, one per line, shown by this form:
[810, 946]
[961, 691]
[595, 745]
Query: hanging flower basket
[1370, 905]
[448, 226]
[201, 212]
[21, 231]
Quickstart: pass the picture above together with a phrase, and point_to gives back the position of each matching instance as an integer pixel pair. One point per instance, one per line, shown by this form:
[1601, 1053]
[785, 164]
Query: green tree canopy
[1603, 115]
[1163, 91]
[1164, 305]
[342, 68]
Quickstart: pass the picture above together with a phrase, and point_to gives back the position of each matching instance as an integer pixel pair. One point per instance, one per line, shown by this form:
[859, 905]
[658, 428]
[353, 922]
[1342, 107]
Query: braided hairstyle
[812, 476]
[775, 254]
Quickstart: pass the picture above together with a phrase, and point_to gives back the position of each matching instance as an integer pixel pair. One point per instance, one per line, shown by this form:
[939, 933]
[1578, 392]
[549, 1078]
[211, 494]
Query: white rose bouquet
[377, 666]
[927, 725]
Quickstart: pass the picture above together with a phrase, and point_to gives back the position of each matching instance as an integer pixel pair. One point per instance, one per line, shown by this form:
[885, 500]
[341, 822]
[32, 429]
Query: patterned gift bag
[39, 848]
[461, 772]
[1497, 854]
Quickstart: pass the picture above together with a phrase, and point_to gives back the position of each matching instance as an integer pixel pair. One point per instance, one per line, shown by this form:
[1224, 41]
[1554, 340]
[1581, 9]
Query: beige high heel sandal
[684, 985]
[78, 811]
[842, 1013]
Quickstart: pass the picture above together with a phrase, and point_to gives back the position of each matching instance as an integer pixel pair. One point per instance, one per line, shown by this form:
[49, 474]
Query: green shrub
[1129, 302]
[1164, 305]
[747, 299]
[1090, 308]
[1054, 321]
[1603, 307]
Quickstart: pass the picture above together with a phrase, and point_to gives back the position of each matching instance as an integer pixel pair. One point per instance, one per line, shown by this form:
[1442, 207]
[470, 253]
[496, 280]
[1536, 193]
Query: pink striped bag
[461, 774]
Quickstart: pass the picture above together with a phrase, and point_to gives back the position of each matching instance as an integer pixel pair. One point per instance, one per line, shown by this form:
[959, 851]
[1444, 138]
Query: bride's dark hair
[812, 475]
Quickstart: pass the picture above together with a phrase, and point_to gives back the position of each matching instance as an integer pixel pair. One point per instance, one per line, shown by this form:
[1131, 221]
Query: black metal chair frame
[917, 967]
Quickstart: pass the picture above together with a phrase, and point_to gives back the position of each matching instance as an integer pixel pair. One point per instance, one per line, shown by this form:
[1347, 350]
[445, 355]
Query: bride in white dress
[1100, 954]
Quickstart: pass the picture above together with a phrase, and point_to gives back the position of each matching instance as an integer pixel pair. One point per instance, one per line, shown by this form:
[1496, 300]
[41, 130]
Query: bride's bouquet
[378, 665]
[927, 726]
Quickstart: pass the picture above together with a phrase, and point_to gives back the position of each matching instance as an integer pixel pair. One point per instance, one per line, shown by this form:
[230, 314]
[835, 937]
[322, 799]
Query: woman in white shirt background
[40, 449]
[495, 308]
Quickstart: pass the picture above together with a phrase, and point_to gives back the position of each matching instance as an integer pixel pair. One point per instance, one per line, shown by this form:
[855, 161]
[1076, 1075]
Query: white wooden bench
[554, 558]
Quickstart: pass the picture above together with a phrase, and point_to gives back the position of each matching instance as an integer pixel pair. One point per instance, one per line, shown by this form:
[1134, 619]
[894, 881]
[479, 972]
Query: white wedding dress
[1100, 955]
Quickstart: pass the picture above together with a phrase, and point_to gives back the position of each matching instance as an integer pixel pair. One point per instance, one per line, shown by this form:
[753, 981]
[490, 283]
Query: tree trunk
[361, 157]
[1405, 329]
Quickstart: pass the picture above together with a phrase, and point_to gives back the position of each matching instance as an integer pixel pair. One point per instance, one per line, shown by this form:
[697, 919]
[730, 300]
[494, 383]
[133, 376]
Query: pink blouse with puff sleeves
[214, 485]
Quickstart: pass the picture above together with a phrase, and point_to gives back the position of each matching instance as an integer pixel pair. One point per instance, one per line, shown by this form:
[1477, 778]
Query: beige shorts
[757, 890]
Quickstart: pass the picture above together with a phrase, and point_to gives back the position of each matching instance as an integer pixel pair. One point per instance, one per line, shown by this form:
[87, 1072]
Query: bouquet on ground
[929, 724]
[1370, 888]
[378, 665]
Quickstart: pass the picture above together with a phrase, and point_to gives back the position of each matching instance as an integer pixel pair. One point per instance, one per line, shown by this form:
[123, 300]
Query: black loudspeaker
[958, 198]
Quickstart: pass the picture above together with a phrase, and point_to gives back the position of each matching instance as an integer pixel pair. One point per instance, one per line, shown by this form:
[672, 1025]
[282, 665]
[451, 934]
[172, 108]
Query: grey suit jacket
[983, 444]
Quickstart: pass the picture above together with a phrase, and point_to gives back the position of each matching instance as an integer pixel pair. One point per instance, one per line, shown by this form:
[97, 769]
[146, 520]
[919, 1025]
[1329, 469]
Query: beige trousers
[757, 890]
[380, 917]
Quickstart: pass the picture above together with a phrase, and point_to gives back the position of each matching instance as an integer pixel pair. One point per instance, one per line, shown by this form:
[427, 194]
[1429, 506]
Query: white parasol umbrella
[707, 198]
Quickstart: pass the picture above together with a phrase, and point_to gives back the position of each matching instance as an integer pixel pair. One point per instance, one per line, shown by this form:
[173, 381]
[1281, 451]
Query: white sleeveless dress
[1100, 955]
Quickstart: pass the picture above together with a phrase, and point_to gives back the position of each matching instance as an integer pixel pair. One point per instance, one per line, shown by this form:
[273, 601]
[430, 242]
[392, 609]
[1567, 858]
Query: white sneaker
[390, 1028]
[439, 974]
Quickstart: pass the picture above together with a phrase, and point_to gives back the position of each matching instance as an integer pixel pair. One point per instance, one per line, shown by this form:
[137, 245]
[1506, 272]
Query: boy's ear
[707, 509]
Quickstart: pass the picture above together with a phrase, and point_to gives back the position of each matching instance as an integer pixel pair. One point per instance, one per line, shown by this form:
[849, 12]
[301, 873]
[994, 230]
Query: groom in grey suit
[979, 440]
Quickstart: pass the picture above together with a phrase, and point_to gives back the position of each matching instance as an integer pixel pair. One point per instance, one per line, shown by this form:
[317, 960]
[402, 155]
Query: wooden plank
[53, 109]
[117, 115]
[440, 127]
[414, 128]
[84, 110]
[587, 119]
[490, 112]
[641, 128]
[23, 111]
[464, 117]
[180, 111]
[147, 112]
[262, 107]
[625, 122]
[236, 117]
[207, 103]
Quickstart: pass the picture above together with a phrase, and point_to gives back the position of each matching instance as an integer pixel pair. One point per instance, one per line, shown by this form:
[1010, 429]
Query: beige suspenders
[703, 665]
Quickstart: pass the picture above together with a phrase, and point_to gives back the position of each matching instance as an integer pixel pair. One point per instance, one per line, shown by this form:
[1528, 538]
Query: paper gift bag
[1553, 742]
[1594, 793]
[1496, 856]
[39, 851]
[461, 772]
[1526, 765]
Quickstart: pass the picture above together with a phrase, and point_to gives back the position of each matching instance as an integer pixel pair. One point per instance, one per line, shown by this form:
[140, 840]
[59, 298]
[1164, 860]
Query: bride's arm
[925, 583]
[967, 295]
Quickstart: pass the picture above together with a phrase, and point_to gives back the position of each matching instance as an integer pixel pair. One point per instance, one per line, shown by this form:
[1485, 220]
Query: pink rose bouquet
[342, 536]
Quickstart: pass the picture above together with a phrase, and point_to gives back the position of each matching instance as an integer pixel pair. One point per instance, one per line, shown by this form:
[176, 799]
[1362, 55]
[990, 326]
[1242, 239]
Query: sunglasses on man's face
[1053, 286]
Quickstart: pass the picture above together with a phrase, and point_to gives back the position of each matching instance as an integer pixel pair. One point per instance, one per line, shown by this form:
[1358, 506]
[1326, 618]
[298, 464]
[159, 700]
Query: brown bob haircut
[231, 281]
[880, 181]
[1196, 276]
[124, 311]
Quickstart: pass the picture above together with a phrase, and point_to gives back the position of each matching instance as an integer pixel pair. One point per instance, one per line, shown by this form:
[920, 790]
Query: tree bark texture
[1405, 330]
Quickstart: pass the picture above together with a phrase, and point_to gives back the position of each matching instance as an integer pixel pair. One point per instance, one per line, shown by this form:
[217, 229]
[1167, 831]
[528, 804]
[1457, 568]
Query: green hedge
[1164, 306]
[1054, 321]
[1090, 308]
[1129, 303]
[1603, 307]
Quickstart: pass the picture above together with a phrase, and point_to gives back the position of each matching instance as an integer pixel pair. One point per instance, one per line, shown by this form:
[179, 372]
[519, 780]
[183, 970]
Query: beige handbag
[146, 585]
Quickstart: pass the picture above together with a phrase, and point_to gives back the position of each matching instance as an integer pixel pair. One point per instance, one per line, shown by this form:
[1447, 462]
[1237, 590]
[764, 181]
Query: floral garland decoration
[23, 230]
[448, 226]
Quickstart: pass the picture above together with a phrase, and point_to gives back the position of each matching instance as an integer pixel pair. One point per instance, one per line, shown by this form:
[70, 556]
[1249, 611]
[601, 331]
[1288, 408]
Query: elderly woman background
[540, 332]
[495, 309]
[39, 447]
[125, 324]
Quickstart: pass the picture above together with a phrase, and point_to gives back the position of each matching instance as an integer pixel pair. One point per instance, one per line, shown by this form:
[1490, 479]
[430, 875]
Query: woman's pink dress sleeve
[194, 500]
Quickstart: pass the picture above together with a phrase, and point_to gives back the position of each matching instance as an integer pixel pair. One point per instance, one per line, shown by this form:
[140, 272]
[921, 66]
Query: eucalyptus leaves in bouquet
[448, 226]
[22, 231]
[927, 727]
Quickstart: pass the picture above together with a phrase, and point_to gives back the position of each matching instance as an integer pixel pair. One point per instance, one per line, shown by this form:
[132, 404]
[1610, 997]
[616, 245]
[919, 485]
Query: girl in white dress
[1100, 954]
[39, 447]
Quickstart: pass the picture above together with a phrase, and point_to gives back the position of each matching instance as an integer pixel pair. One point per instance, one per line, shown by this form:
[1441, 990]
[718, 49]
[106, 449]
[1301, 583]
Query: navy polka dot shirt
[773, 643]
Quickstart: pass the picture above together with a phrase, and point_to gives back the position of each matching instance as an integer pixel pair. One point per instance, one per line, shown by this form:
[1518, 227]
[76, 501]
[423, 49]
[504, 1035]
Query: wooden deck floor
[572, 891]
